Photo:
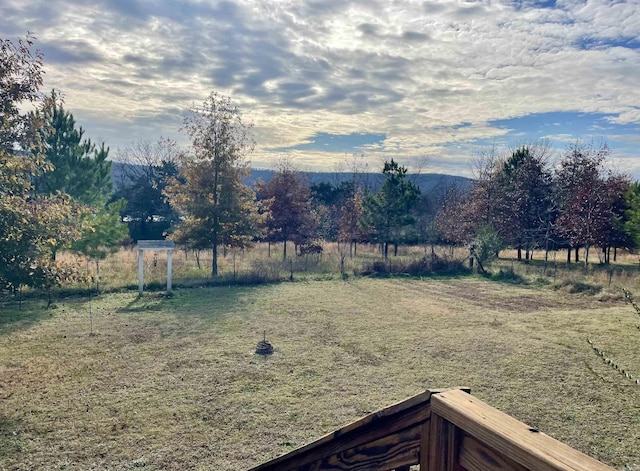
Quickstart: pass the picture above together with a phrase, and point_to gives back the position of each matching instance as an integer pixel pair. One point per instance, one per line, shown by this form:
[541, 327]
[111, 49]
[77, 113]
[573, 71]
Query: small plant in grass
[610, 361]
[628, 297]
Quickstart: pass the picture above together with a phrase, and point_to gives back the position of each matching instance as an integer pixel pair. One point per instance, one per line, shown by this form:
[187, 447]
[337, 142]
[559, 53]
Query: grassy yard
[172, 383]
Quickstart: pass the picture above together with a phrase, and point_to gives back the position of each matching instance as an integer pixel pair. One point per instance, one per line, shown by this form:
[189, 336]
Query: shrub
[427, 265]
[507, 276]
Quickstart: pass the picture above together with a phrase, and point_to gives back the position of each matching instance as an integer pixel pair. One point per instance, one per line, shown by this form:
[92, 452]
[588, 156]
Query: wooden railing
[438, 431]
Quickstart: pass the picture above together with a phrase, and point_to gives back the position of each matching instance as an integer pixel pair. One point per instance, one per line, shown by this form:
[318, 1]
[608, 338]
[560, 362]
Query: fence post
[140, 271]
[169, 269]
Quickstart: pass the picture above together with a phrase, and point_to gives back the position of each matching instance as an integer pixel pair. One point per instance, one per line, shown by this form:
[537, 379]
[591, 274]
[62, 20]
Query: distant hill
[429, 183]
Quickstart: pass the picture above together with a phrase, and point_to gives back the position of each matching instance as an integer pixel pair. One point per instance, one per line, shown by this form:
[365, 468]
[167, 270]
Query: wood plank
[391, 419]
[344, 442]
[424, 446]
[443, 446]
[476, 456]
[388, 453]
[156, 244]
[508, 436]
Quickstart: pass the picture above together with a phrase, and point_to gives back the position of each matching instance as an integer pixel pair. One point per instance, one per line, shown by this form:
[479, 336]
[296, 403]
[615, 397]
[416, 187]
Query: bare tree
[142, 170]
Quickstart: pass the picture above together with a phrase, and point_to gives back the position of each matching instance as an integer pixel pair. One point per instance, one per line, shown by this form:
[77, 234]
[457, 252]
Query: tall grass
[263, 264]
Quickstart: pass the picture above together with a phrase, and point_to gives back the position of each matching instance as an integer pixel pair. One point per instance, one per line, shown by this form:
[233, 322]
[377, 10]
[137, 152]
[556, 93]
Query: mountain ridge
[427, 182]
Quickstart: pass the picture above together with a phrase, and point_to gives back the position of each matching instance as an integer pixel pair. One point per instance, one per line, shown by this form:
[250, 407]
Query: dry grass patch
[172, 383]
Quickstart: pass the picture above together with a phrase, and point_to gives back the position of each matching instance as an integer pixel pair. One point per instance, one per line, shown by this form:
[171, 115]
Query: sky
[431, 84]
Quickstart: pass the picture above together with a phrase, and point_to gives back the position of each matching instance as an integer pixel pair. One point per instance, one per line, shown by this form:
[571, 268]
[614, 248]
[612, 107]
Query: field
[262, 264]
[172, 382]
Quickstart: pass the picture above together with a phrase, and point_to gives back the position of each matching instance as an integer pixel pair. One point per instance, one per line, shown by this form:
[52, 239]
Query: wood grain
[476, 456]
[390, 420]
[443, 445]
[441, 431]
[526, 446]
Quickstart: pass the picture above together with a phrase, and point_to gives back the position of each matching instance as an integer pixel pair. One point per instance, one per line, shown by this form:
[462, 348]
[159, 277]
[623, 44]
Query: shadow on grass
[10, 440]
[13, 317]
[205, 302]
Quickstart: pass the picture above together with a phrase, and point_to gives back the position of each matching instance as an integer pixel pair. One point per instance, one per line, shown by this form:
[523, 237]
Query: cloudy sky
[434, 81]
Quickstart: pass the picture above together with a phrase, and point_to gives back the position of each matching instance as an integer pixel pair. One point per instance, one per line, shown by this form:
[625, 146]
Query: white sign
[143, 245]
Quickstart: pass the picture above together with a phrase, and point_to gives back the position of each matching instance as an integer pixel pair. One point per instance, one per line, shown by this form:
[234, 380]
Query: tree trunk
[615, 253]
[97, 275]
[546, 244]
[284, 250]
[586, 255]
[395, 249]
[577, 258]
[569, 256]
[519, 252]
[214, 261]
[269, 249]
[386, 249]
[216, 217]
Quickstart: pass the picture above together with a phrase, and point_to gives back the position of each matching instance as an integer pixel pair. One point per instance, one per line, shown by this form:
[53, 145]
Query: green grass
[172, 382]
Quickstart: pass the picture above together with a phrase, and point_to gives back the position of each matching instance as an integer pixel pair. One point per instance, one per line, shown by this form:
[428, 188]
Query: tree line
[56, 193]
[528, 200]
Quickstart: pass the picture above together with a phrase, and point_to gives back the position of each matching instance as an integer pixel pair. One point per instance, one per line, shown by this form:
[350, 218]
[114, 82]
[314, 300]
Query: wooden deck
[446, 430]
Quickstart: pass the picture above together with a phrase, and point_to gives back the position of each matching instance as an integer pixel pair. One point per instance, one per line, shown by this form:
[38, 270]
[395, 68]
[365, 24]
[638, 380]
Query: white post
[140, 271]
[169, 257]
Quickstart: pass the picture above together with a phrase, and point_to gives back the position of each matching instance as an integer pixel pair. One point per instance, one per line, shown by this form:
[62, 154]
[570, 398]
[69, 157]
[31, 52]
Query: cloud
[414, 72]
[71, 52]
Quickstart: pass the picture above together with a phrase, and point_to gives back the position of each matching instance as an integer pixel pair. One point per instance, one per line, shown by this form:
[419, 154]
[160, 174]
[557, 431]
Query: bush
[507, 276]
[575, 287]
[427, 265]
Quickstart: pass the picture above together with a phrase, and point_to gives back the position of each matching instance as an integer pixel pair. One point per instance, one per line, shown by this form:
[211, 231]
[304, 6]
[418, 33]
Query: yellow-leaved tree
[215, 206]
[31, 226]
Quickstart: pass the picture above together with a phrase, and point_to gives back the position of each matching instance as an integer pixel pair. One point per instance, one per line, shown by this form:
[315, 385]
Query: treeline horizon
[525, 199]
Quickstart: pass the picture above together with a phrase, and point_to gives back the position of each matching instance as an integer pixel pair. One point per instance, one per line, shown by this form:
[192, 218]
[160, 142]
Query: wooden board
[383, 423]
[507, 436]
[443, 445]
[476, 456]
[156, 244]
[385, 454]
